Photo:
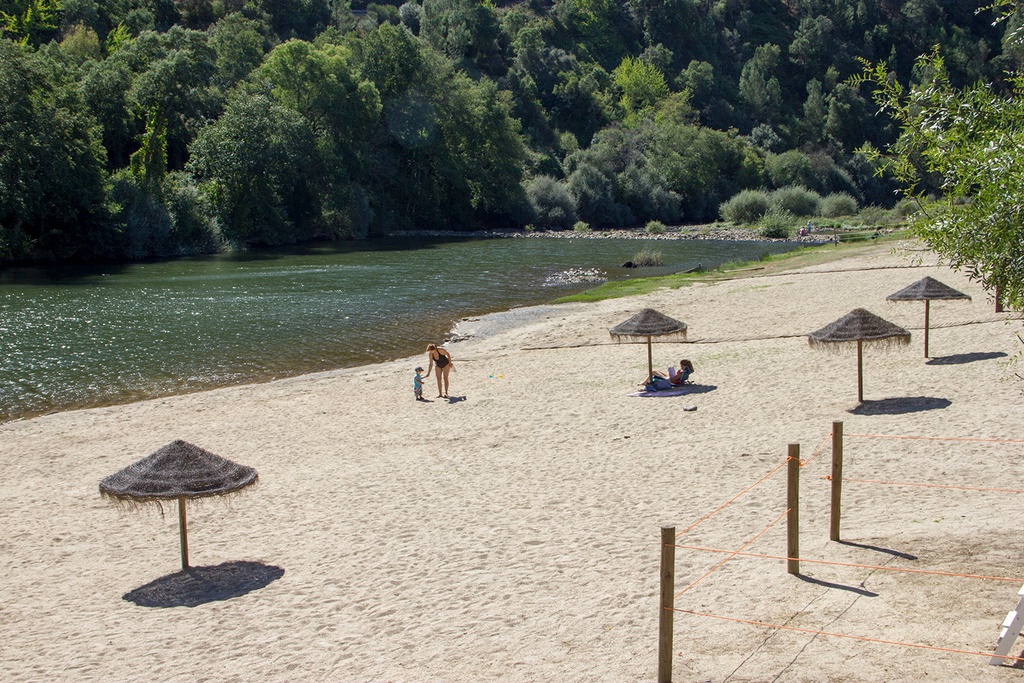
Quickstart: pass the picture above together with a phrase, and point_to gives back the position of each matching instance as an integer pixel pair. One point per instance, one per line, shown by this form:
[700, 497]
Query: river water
[80, 337]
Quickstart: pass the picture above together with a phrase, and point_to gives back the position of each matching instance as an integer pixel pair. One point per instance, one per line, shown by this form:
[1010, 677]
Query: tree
[462, 29]
[172, 88]
[303, 19]
[257, 166]
[758, 85]
[105, 86]
[684, 26]
[971, 141]
[704, 167]
[448, 154]
[814, 112]
[319, 82]
[813, 45]
[604, 28]
[52, 201]
[28, 21]
[81, 44]
[238, 46]
[847, 118]
[642, 85]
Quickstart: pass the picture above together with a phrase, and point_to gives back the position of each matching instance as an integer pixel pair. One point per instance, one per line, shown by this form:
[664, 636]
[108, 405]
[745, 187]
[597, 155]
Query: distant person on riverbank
[417, 384]
[444, 363]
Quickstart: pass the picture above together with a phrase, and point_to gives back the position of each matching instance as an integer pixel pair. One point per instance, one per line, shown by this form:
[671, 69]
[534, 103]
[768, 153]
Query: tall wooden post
[793, 516]
[183, 532]
[668, 591]
[927, 307]
[837, 479]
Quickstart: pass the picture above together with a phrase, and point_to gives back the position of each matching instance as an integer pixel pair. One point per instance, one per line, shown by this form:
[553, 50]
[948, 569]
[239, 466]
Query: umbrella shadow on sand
[964, 358]
[685, 390]
[900, 406]
[199, 585]
[699, 388]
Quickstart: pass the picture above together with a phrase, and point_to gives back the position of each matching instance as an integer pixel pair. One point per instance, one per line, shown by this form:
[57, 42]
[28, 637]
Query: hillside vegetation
[135, 129]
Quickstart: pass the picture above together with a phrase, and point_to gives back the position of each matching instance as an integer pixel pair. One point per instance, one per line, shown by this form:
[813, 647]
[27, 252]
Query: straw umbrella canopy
[643, 326]
[178, 471]
[927, 289]
[856, 327]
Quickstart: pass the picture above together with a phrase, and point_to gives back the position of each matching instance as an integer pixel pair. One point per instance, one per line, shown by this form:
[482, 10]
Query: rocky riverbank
[682, 232]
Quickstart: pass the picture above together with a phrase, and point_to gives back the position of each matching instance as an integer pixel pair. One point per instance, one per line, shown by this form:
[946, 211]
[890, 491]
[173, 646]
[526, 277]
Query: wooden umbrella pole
[650, 361]
[183, 532]
[926, 311]
[860, 372]
[837, 480]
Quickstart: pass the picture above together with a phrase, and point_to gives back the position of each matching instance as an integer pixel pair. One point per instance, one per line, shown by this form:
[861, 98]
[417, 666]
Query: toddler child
[417, 384]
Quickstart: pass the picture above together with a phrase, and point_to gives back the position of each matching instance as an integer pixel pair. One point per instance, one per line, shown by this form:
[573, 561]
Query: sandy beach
[512, 533]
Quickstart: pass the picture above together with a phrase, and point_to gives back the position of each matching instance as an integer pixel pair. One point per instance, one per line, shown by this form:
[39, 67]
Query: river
[89, 336]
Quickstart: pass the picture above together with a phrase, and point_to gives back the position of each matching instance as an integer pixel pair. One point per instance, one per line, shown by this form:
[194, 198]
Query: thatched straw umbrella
[644, 325]
[927, 289]
[177, 471]
[859, 326]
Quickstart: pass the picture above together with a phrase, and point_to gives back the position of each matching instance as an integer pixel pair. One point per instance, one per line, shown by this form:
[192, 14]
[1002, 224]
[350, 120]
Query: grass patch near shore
[798, 258]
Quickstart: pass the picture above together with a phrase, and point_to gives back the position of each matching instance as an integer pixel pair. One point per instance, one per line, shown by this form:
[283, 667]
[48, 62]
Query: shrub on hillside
[838, 204]
[907, 207]
[875, 216]
[776, 224]
[797, 200]
[655, 228]
[746, 207]
[552, 203]
[791, 168]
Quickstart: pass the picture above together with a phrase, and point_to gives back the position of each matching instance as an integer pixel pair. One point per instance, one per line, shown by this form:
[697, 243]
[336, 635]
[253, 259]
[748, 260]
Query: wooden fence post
[837, 479]
[793, 516]
[668, 596]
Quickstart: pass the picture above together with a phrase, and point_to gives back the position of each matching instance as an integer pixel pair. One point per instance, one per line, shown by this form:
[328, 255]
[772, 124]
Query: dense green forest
[135, 129]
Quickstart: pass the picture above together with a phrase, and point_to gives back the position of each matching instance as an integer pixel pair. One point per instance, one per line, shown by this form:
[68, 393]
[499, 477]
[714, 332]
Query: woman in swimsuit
[443, 360]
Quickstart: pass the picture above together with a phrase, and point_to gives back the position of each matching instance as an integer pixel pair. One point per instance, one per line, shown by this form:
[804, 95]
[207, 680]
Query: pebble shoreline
[695, 232]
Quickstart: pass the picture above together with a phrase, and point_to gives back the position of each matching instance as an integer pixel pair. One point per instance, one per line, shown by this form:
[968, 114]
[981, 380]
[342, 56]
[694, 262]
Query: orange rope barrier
[818, 451]
[731, 500]
[866, 639]
[756, 483]
[906, 570]
[934, 438]
[932, 486]
[734, 553]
